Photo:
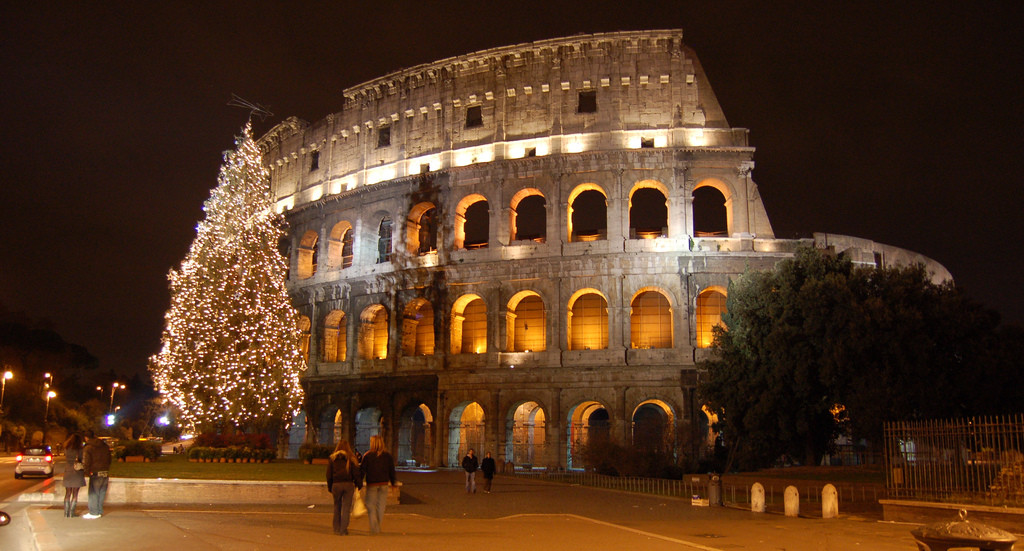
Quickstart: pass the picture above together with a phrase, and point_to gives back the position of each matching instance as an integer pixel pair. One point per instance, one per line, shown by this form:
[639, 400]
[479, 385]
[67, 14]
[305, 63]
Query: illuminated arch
[335, 334]
[461, 220]
[307, 255]
[652, 426]
[384, 240]
[709, 311]
[330, 425]
[528, 216]
[649, 220]
[418, 328]
[589, 422]
[339, 246]
[373, 333]
[525, 434]
[421, 229]
[415, 435]
[598, 227]
[712, 213]
[651, 319]
[469, 325]
[304, 326]
[587, 320]
[369, 422]
[465, 430]
[526, 323]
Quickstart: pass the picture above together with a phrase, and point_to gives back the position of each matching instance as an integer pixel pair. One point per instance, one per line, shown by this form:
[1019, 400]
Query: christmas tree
[230, 354]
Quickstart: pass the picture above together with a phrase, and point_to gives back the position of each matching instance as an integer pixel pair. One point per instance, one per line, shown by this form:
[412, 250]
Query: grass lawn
[178, 466]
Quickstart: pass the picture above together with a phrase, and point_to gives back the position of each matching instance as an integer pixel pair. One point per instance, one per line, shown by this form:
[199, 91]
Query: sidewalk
[436, 513]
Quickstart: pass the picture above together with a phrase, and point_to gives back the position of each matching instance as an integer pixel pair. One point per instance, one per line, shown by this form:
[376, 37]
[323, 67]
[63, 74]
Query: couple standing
[345, 474]
[470, 464]
[92, 459]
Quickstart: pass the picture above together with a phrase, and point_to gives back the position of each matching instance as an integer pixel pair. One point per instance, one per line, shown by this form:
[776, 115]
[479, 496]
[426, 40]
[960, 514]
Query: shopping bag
[358, 505]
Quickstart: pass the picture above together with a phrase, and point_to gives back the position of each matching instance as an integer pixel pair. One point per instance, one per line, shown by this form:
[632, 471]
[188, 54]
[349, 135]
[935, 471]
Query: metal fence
[978, 460]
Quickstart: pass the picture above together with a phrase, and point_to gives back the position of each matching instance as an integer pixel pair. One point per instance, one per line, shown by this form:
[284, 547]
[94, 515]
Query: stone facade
[589, 186]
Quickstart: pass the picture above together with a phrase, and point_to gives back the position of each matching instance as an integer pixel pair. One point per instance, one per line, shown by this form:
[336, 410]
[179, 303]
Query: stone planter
[134, 459]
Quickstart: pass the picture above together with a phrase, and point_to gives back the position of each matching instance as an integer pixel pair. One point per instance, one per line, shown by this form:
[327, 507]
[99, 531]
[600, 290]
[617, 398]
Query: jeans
[376, 500]
[471, 482]
[343, 492]
[97, 492]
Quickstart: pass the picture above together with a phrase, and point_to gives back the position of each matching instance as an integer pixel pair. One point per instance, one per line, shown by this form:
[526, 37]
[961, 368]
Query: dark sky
[900, 122]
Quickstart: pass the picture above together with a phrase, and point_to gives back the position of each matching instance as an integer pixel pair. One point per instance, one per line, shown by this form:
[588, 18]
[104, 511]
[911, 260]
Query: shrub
[256, 441]
[308, 452]
[149, 450]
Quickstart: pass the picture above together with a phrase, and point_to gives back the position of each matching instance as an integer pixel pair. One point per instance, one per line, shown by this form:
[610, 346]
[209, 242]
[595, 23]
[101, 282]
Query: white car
[34, 460]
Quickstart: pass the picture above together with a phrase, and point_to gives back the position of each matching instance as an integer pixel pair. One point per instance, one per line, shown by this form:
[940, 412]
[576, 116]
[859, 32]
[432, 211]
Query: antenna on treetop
[254, 108]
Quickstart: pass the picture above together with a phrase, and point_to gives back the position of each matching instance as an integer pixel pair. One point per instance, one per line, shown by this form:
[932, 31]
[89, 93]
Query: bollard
[757, 498]
[792, 501]
[829, 502]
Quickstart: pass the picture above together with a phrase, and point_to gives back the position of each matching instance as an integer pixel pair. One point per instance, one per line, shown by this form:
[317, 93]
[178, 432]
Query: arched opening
[588, 320]
[653, 423]
[339, 246]
[529, 216]
[588, 214]
[330, 426]
[384, 241]
[304, 326]
[307, 255]
[418, 329]
[369, 422]
[421, 229]
[465, 431]
[710, 308]
[373, 333]
[526, 323]
[335, 345]
[650, 320]
[415, 437]
[472, 222]
[469, 325]
[710, 215]
[525, 436]
[296, 435]
[648, 211]
[588, 424]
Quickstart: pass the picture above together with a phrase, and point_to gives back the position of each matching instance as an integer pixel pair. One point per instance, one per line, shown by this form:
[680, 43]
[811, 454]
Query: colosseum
[522, 249]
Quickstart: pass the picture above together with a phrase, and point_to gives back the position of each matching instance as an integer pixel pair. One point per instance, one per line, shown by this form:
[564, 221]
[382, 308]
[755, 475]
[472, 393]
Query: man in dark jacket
[470, 464]
[488, 467]
[96, 459]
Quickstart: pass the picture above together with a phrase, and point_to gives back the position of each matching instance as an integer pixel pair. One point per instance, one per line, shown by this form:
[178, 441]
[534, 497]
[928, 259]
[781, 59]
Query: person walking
[488, 467]
[343, 479]
[470, 464]
[96, 460]
[74, 473]
[378, 467]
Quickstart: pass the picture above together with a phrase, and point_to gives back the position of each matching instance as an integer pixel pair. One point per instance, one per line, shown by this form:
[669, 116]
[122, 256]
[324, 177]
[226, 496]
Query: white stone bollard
[792, 499]
[829, 502]
[757, 498]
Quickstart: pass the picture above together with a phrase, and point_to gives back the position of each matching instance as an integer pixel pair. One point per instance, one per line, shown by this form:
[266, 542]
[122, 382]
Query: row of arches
[528, 435]
[651, 321]
[586, 220]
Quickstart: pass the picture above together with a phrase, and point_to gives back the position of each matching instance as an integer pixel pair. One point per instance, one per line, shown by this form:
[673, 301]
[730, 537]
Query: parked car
[34, 460]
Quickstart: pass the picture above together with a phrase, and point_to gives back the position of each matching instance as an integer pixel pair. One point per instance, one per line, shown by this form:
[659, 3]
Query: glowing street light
[46, 414]
[114, 389]
[3, 387]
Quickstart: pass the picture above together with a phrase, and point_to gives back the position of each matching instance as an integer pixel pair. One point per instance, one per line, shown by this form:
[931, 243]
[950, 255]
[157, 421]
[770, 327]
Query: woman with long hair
[379, 469]
[74, 473]
[343, 478]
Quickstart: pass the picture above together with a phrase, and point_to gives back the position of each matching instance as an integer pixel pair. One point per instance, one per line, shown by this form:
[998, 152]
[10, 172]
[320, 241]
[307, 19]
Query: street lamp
[3, 387]
[46, 415]
[113, 389]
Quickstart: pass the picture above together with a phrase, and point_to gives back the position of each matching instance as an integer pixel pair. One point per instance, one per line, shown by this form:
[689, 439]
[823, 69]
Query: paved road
[437, 514]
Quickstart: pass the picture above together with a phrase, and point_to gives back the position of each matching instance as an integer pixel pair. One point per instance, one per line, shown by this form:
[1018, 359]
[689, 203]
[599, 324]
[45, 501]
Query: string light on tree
[230, 354]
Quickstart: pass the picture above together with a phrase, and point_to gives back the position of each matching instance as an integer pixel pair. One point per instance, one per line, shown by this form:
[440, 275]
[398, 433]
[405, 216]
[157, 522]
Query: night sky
[895, 121]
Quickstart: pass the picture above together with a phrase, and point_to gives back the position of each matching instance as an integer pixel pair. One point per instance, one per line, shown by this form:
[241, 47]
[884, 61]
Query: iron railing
[977, 460]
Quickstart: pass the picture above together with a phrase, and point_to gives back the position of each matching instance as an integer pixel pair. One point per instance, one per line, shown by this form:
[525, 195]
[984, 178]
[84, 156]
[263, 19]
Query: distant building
[523, 249]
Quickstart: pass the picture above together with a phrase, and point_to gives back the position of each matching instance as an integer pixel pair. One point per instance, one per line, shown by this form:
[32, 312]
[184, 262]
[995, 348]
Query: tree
[230, 354]
[818, 346]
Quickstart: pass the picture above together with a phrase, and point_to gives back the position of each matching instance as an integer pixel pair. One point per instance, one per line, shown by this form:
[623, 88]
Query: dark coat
[470, 464]
[378, 469]
[341, 469]
[96, 456]
[488, 467]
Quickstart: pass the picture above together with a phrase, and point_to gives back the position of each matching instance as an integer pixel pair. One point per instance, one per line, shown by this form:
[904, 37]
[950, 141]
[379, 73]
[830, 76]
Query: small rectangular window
[647, 143]
[588, 102]
[474, 116]
[314, 161]
[532, 152]
[384, 136]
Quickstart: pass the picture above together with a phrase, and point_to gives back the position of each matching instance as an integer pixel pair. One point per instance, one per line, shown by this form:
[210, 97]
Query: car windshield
[37, 451]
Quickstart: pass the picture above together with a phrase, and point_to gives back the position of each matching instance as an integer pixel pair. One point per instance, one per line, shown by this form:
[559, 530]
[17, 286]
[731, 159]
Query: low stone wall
[140, 491]
[1010, 519]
